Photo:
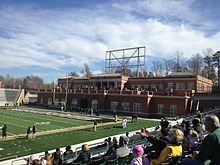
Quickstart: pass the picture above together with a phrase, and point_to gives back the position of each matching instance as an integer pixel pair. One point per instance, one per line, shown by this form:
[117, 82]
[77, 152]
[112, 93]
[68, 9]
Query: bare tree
[33, 82]
[144, 73]
[74, 74]
[151, 75]
[157, 68]
[126, 72]
[195, 64]
[208, 68]
[177, 67]
[168, 65]
[9, 81]
[86, 71]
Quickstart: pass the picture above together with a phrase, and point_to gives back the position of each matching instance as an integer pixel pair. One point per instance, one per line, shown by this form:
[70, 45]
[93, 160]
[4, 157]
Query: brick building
[170, 95]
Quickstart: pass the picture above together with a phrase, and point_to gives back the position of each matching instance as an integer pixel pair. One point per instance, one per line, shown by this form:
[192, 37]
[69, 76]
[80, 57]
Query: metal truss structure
[127, 58]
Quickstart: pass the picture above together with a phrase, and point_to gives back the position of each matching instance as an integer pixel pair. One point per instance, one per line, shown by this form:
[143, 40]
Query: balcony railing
[124, 92]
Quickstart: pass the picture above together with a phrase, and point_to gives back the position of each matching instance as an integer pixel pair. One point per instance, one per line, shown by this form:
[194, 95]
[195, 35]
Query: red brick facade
[168, 96]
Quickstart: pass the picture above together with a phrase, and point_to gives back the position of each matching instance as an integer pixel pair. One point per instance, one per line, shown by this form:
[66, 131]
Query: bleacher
[9, 97]
[97, 152]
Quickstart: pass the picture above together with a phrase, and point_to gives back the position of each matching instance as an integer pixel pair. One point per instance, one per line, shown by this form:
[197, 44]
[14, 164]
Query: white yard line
[14, 124]
[12, 117]
[11, 133]
[41, 118]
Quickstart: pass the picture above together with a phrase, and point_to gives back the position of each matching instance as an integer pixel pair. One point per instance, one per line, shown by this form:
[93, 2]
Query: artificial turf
[22, 147]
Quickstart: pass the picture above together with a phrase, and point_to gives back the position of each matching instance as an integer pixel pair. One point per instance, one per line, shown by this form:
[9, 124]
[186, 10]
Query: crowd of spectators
[190, 142]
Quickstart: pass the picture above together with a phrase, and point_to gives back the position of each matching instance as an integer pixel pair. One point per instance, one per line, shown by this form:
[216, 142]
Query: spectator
[138, 159]
[57, 157]
[68, 156]
[210, 146]
[111, 153]
[29, 159]
[37, 162]
[123, 149]
[193, 139]
[47, 159]
[164, 123]
[153, 151]
[172, 149]
[4, 132]
[144, 133]
[110, 143]
[197, 126]
[84, 156]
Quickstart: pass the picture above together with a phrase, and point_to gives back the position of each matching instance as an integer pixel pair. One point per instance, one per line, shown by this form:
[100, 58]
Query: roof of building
[181, 74]
[106, 75]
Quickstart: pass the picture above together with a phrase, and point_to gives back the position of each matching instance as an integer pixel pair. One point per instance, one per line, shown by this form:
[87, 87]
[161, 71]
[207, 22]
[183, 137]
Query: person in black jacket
[4, 132]
[85, 156]
[28, 132]
[33, 130]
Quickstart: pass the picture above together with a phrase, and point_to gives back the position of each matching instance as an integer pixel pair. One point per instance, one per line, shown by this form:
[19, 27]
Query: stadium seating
[9, 96]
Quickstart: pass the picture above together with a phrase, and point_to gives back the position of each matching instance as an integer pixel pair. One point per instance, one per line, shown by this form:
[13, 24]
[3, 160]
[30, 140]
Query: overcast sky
[52, 37]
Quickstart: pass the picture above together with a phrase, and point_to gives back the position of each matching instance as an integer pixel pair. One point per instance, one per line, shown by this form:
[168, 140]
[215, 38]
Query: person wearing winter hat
[139, 159]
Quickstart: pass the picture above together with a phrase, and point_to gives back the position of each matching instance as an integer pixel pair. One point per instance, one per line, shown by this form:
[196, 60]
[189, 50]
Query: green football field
[17, 122]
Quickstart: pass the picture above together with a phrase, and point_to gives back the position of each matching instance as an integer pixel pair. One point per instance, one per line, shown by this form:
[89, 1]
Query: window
[125, 106]
[56, 102]
[170, 85]
[74, 102]
[160, 108]
[41, 100]
[180, 85]
[160, 86]
[137, 107]
[200, 87]
[49, 101]
[94, 104]
[209, 89]
[173, 110]
[114, 106]
[191, 85]
[61, 101]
